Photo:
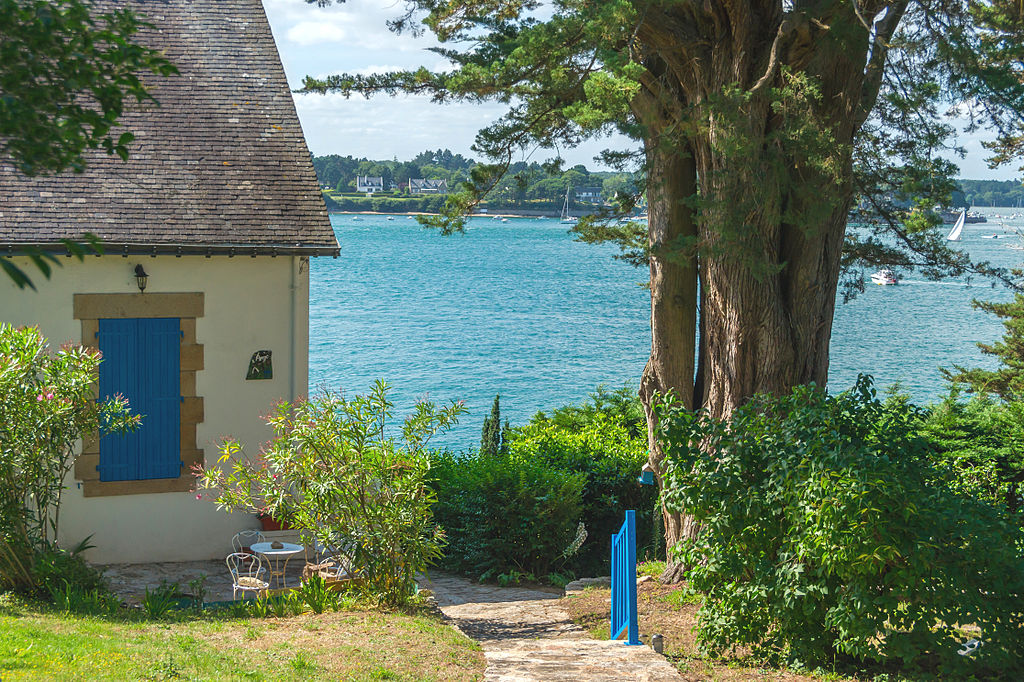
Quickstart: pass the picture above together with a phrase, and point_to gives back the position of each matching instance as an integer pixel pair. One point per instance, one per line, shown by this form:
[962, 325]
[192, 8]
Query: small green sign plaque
[260, 366]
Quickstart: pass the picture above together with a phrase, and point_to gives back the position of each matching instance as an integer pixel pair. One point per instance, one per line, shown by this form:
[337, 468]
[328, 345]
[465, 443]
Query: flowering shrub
[336, 474]
[46, 406]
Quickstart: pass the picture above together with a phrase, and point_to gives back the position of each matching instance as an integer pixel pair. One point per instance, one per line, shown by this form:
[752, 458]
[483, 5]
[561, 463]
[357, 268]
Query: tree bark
[774, 169]
[673, 265]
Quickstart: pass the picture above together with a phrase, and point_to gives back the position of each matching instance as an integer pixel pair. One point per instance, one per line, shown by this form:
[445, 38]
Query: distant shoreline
[474, 215]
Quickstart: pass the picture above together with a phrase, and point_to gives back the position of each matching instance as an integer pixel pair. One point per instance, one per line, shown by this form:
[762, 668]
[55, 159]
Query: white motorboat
[885, 276]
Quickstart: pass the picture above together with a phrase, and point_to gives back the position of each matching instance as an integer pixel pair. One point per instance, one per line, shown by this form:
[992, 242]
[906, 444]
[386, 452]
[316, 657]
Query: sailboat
[954, 234]
[566, 218]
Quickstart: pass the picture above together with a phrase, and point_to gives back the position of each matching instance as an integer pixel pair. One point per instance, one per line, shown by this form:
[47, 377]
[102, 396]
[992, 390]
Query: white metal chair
[336, 561]
[247, 573]
[244, 539]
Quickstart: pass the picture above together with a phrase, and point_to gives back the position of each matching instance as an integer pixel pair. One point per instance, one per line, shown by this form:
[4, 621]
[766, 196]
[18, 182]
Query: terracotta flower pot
[270, 523]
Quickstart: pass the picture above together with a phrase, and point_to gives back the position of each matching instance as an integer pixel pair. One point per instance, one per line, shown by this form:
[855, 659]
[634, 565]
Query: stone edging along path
[526, 636]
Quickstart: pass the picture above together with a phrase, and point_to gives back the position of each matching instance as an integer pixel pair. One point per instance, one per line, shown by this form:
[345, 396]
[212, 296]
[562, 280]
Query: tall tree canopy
[759, 122]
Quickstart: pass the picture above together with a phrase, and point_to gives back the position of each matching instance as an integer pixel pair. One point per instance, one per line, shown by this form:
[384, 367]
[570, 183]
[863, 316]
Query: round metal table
[276, 556]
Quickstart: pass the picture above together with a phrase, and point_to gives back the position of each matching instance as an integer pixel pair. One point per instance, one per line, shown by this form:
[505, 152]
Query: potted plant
[270, 523]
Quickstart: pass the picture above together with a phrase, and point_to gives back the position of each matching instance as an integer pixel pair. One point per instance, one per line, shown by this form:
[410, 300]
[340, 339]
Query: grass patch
[653, 569]
[37, 643]
[671, 610]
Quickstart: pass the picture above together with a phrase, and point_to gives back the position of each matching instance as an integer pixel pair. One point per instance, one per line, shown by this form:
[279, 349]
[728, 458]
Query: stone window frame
[90, 309]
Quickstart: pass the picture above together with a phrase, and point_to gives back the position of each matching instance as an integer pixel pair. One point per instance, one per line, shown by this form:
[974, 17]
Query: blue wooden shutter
[117, 340]
[159, 454]
[141, 360]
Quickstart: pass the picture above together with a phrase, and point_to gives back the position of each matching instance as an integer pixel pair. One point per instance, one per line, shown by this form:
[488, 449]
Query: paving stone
[527, 637]
[583, 583]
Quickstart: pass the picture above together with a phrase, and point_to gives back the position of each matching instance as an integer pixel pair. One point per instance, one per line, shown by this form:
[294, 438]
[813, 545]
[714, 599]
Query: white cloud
[401, 127]
[313, 33]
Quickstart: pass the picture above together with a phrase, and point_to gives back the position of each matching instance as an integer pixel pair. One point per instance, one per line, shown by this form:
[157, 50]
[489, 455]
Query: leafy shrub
[502, 513]
[333, 470]
[46, 407]
[609, 459]
[621, 406]
[828, 532]
[161, 600]
[56, 569]
[69, 598]
[983, 441]
[599, 445]
[317, 594]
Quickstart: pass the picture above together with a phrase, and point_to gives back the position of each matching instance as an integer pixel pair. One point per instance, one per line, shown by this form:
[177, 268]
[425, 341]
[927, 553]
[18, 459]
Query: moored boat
[885, 276]
[566, 218]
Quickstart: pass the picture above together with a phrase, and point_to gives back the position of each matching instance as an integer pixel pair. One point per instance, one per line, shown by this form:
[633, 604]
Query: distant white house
[218, 330]
[369, 184]
[589, 195]
[425, 186]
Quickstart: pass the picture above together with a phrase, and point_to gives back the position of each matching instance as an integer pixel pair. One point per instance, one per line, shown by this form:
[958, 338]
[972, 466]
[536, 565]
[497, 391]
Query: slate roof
[428, 185]
[220, 166]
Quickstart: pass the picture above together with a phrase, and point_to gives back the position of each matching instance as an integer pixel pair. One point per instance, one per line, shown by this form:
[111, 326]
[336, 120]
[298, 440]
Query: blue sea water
[519, 308]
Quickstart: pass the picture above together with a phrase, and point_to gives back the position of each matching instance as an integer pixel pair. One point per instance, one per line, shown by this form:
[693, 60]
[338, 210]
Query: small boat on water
[566, 218]
[391, 217]
[954, 234]
[970, 217]
[885, 276]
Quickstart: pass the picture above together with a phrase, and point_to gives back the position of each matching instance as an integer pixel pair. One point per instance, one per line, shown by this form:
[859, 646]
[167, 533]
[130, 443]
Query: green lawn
[37, 643]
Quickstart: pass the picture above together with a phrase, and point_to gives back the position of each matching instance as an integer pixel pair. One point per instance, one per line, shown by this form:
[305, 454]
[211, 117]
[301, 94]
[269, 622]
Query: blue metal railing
[624, 617]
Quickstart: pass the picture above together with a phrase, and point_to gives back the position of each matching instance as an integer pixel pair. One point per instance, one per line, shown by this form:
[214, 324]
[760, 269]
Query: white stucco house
[220, 207]
[369, 184]
[588, 195]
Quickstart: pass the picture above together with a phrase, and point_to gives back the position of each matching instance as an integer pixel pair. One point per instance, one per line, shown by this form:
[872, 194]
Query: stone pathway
[130, 581]
[527, 637]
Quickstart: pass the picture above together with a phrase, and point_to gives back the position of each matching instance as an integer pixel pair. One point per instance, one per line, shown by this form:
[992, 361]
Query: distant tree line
[526, 184]
[993, 192]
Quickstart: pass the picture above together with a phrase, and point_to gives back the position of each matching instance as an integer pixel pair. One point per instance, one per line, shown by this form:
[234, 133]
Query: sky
[353, 37]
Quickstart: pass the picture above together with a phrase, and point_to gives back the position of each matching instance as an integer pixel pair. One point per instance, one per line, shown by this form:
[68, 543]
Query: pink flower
[199, 496]
[44, 396]
[40, 397]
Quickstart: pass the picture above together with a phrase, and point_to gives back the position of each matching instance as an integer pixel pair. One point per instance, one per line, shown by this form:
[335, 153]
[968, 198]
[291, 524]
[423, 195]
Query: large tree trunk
[672, 180]
[774, 168]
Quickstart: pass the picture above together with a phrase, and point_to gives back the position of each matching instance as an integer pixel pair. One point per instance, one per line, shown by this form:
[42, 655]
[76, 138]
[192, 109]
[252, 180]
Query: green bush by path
[982, 441]
[502, 514]
[578, 465]
[829, 534]
[609, 459]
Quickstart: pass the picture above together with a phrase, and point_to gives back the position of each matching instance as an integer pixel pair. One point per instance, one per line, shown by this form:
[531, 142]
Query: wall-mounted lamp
[141, 277]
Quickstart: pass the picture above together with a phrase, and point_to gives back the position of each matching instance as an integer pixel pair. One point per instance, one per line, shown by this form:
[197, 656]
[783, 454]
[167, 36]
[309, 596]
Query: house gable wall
[247, 304]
